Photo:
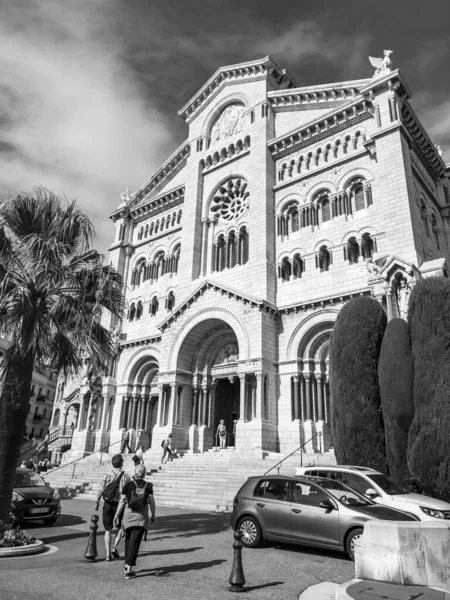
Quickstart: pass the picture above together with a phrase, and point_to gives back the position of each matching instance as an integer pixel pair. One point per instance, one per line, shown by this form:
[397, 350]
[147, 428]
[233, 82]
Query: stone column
[160, 404]
[297, 413]
[242, 401]
[212, 404]
[205, 406]
[253, 388]
[194, 417]
[172, 400]
[133, 413]
[320, 409]
[259, 395]
[308, 397]
[205, 231]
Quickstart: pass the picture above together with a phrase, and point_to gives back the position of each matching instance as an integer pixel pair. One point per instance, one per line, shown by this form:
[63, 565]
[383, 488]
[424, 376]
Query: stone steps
[206, 481]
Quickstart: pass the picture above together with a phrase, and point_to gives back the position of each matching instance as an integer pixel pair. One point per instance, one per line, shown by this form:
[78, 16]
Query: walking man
[125, 443]
[111, 488]
[167, 448]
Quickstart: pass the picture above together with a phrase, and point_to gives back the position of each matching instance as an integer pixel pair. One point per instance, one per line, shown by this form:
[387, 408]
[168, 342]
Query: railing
[76, 461]
[277, 466]
[60, 432]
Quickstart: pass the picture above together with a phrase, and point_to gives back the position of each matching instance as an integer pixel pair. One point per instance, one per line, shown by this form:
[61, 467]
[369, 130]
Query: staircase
[206, 481]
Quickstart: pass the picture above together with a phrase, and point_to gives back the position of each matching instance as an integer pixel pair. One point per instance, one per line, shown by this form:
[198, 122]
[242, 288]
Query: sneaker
[130, 574]
[115, 553]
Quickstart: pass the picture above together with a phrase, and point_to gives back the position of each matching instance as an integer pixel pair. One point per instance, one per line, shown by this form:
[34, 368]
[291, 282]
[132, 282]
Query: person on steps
[167, 448]
[111, 487]
[222, 433]
[136, 498]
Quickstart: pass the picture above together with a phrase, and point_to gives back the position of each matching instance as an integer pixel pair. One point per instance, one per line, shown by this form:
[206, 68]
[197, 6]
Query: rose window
[231, 200]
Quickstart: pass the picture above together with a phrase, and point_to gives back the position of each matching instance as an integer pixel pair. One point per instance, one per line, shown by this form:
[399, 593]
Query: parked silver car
[308, 511]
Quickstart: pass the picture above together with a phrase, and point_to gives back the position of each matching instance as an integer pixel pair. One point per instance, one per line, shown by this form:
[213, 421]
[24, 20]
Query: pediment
[397, 263]
[253, 302]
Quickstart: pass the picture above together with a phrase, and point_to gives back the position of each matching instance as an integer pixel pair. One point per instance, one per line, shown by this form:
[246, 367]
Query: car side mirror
[327, 504]
[372, 493]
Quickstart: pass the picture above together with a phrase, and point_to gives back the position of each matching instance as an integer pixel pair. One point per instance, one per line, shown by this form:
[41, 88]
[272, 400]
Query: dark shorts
[109, 512]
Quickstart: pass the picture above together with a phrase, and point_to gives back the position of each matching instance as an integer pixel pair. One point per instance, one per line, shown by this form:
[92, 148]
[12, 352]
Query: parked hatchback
[383, 490]
[33, 499]
[308, 511]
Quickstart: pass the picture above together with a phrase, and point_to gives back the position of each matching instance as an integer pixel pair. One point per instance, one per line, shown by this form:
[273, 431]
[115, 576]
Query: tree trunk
[14, 403]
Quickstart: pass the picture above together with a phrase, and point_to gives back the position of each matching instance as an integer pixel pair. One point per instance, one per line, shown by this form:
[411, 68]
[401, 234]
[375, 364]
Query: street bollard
[91, 548]
[237, 578]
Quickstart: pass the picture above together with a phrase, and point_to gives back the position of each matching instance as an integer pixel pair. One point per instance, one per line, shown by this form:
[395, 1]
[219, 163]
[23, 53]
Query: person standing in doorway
[110, 490]
[167, 448]
[137, 496]
[222, 433]
[125, 442]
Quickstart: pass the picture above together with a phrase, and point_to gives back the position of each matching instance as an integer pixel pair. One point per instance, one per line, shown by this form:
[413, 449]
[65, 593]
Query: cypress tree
[429, 440]
[356, 417]
[395, 376]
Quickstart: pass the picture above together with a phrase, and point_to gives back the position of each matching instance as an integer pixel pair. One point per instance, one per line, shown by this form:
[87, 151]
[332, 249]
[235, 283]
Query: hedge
[356, 417]
[395, 376]
[429, 439]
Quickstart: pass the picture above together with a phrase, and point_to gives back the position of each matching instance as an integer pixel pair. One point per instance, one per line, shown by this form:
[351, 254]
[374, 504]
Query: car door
[273, 507]
[361, 484]
[310, 522]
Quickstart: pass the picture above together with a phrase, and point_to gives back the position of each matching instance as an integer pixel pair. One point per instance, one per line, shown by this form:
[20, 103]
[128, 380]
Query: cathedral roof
[256, 69]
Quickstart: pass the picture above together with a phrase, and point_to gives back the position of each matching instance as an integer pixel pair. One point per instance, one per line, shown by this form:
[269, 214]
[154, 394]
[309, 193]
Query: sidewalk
[359, 589]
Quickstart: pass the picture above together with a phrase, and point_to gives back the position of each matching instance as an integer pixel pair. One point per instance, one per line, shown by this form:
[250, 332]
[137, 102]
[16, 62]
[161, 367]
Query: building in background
[284, 202]
[42, 397]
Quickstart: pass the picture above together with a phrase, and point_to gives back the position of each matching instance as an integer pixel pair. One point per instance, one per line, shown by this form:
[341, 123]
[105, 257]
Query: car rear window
[28, 479]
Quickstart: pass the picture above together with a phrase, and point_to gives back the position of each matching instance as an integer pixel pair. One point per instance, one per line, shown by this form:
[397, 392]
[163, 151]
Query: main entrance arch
[207, 362]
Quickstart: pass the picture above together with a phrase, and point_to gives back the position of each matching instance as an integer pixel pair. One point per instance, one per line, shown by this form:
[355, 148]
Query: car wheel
[354, 535]
[50, 521]
[251, 532]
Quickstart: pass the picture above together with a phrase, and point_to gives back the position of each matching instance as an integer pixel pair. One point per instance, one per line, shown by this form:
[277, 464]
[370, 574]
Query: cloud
[434, 114]
[74, 117]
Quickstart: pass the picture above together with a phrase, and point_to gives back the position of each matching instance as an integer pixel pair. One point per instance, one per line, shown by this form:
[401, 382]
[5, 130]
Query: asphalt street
[194, 549]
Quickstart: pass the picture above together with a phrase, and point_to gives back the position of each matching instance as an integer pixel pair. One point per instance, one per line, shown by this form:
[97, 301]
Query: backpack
[137, 499]
[110, 491]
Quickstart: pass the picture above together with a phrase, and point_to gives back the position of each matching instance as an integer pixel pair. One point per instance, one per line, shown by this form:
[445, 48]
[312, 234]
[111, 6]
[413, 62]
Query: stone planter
[35, 548]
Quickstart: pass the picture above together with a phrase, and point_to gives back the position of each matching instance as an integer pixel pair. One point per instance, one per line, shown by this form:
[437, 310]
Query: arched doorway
[207, 373]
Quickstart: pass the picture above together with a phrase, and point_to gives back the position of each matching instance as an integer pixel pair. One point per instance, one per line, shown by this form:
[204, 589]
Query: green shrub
[429, 440]
[11, 536]
[395, 377]
[356, 417]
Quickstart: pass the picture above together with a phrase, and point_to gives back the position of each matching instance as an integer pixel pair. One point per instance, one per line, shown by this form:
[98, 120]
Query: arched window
[139, 272]
[368, 245]
[358, 194]
[163, 220]
[243, 246]
[219, 253]
[352, 252]
[139, 310]
[141, 233]
[231, 250]
[170, 301]
[159, 265]
[176, 259]
[324, 259]
[174, 218]
[285, 270]
[146, 231]
[435, 229]
[154, 305]
[152, 226]
[295, 219]
[180, 212]
[132, 312]
[326, 210]
[157, 226]
[298, 266]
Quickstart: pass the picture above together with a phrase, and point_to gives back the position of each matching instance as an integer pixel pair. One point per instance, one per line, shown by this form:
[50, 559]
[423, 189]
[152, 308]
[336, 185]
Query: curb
[35, 548]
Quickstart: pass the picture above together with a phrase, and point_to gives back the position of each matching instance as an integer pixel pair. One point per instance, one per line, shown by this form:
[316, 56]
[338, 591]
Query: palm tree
[53, 288]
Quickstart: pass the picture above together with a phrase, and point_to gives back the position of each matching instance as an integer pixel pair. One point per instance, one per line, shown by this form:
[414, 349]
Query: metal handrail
[77, 460]
[318, 434]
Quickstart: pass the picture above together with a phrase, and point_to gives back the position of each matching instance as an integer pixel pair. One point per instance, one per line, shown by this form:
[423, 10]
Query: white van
[382, 489]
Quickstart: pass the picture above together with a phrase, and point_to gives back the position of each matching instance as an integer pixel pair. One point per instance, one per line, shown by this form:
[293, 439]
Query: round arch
[137, 360]
[213, 114]
[210, 317]
[307, 330]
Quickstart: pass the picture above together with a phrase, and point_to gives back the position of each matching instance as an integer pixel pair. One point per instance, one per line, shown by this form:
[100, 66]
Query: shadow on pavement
[190, 524]
[250, 588]
[320, 553]
[63, 521]
[194, 566]
[68, 536]
[173, 551]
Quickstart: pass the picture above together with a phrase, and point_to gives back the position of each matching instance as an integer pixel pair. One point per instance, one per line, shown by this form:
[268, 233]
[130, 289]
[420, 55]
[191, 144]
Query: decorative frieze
[424, 175]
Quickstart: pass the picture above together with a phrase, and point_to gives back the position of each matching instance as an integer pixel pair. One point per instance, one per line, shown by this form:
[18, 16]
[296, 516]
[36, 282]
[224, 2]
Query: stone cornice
[140, 342]
[193, 297]
[320, 128]
[423, 144]
[324, 97]
[252, 70]
[159, 204]
[392, 79]
[324, 302]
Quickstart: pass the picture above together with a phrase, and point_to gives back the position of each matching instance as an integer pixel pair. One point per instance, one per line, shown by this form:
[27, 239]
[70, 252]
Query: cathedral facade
[283, 203]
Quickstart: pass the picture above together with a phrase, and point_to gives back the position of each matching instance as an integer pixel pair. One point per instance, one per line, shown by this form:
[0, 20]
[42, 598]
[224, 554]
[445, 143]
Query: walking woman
[137, 496]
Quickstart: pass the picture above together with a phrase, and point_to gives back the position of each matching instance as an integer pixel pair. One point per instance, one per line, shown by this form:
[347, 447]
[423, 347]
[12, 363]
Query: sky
[89, 89]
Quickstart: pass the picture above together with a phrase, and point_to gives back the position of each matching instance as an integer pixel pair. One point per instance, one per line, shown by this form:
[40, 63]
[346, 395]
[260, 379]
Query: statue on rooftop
[125, 196]
[382, 64]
